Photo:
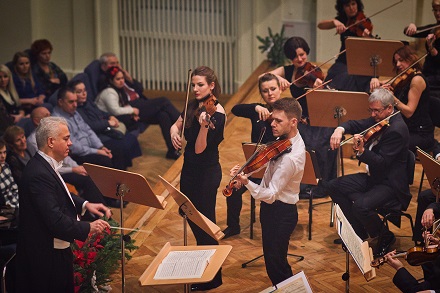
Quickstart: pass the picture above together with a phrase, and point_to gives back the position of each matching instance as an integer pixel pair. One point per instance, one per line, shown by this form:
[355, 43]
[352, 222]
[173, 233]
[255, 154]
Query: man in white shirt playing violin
[279, 189]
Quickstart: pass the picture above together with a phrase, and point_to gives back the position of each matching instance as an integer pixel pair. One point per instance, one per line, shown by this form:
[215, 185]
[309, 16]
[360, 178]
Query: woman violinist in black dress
[201, 172]
[349, 13]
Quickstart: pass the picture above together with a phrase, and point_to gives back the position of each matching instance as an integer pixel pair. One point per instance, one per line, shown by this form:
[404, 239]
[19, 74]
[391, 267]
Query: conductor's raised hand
[98, 209]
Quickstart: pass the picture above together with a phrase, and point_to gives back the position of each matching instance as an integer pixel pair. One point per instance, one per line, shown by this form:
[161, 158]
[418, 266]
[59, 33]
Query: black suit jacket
[387, 160]
[408, 284]
[46, 212]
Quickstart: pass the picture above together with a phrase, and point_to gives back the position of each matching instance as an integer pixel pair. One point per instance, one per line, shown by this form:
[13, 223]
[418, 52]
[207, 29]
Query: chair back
[311, 169]
[410, 166]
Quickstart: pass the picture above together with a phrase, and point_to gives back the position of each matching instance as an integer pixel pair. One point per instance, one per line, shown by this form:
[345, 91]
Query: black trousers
[278, 220]
[158, 111]
[359, 198]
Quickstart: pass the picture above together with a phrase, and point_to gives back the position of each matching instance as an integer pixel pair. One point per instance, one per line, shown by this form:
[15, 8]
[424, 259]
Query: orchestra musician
[260, 117]
[348, 13]
[359, 195]
[411, 98]
[431, 270]
[297, 77]
[431, 67]
[201, 172]
[279, 189]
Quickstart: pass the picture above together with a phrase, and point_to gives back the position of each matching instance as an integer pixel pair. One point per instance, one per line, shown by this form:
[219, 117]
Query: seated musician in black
[359, 195]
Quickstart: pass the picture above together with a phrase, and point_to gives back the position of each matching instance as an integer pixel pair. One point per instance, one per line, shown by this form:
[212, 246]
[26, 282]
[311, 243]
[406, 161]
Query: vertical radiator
[160, 40]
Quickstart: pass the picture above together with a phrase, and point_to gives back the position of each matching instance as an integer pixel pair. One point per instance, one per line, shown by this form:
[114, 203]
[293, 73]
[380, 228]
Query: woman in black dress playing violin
[411, 98]
[201, 172]
[350, 12]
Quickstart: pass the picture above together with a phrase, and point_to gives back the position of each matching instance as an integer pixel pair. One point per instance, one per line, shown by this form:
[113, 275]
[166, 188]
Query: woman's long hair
[10, 89]
[110, 73]
[28, 75]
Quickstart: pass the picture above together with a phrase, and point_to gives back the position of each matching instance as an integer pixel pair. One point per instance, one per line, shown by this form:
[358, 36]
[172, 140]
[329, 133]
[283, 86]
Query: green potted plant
[272, 45]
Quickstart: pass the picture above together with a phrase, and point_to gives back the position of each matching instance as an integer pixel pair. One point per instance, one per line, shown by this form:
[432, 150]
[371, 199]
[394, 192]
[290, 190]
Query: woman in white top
[114, 100]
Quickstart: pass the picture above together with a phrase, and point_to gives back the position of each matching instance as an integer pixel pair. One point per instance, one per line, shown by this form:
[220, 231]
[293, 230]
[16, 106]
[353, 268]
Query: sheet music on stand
[184, 264]
[358, 249]
[298, 283]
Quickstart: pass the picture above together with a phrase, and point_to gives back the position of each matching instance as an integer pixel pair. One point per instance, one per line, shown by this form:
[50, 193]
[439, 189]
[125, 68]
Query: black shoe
[385, 246]
[205, 286]
[231, 232]
[337, 241]
[173, 154]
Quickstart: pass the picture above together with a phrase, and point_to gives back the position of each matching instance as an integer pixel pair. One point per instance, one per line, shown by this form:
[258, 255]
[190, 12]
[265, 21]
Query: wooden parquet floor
[324, 261]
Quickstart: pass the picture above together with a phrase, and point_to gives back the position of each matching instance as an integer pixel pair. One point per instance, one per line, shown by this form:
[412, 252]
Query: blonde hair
[11, 86]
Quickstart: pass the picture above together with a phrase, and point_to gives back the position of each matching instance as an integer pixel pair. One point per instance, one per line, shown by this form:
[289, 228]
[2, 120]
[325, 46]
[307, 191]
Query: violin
[307, 75]
[404, 79]
[208, 104]
[415, 256]
[359, 23]
[259, 159]
[373, 132]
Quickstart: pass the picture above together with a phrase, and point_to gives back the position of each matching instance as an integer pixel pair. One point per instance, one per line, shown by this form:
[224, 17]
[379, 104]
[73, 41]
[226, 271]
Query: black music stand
[370, 57]
[125, 186]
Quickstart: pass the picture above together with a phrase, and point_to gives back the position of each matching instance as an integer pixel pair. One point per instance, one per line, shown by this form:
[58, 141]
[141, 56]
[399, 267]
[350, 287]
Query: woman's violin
[259, 159]
[403, 80]
[208, 104]
[307, 75]
[359, 23]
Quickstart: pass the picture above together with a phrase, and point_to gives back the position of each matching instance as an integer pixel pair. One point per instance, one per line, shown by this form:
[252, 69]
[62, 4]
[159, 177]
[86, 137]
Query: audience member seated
[71, 172]
[109, 129]
[86, 145]
[114, 100]
[8, 187]
[29, 90]
[50, 76]
[8, 94]
[18, 154]
[151, 111]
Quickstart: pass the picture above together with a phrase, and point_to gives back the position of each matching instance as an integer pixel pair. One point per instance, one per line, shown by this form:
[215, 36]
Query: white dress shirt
[283, 176]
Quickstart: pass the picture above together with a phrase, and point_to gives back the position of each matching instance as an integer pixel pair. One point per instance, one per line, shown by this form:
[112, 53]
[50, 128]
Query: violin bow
[317, 67]
[366, 130]
[374, 14]
[314, 89]
[188, 88]
[391, 80]
[428, 28]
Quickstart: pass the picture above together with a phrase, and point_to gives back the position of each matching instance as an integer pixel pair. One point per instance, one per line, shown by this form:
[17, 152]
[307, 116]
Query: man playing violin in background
[279, 190]
[431, 270]
[359, 195]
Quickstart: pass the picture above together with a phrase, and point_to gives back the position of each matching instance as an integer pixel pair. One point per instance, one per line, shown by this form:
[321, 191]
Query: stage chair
[392, 211]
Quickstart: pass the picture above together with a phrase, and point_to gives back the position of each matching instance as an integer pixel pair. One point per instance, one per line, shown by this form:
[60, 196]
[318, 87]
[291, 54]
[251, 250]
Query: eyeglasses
[375, 111]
